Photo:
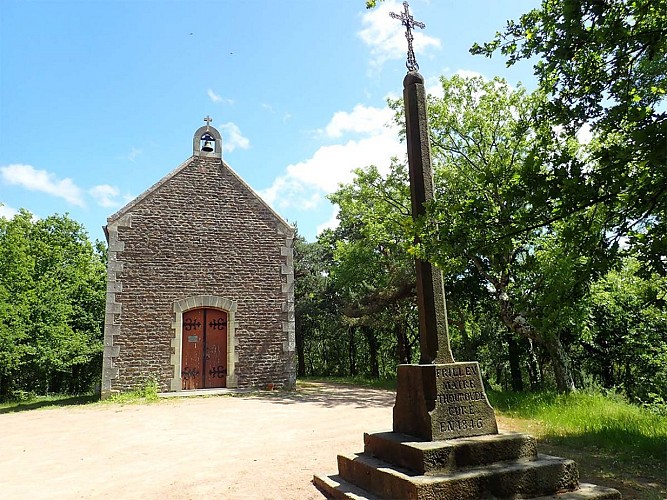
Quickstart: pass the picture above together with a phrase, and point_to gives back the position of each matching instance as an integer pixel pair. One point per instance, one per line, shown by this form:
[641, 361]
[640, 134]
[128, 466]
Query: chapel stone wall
[201, 232]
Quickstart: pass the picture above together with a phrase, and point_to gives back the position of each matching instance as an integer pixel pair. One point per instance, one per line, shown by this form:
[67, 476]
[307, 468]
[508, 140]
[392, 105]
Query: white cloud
[7, 212]
[331, 165]
[218, 98]
[232, 137]
[213, 96]
[362, 119]
[304, 184]
[105, 195]
[32, 179]
[583, 135]
[132, 155]
[434, 88]
[466, 73]
[386, 36]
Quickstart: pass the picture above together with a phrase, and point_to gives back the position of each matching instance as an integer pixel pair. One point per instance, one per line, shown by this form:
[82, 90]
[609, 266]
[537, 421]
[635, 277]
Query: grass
[145, 394]
[589, 420]
[54, 400]
[148, 392]
[580, 419]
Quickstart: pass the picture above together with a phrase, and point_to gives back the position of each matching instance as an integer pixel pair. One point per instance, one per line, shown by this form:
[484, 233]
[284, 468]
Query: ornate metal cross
[208, 120]
[409, 22]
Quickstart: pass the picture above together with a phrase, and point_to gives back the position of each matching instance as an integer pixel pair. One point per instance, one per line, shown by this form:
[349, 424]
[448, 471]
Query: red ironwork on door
[204, 359]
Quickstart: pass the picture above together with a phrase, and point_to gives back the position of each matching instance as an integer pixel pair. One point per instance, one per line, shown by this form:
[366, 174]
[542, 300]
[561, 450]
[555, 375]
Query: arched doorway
[204, 349]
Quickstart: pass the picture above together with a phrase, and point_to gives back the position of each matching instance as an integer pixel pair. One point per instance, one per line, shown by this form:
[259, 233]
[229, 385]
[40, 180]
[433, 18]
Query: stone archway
[200, 302]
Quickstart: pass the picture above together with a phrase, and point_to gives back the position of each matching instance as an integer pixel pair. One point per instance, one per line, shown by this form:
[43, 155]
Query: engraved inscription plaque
[461, 406]
[442, 401]
[193, 338]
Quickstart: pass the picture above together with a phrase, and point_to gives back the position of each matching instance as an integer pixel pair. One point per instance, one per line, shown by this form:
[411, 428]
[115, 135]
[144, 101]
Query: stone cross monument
[437, 399]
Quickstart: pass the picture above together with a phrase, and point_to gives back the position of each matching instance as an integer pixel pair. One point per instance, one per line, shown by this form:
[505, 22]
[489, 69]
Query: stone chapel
[200, 283]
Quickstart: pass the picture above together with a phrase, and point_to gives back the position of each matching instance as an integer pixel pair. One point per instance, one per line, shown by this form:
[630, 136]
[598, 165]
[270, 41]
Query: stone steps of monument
[337, 488]
[433, 457]
[519, 478]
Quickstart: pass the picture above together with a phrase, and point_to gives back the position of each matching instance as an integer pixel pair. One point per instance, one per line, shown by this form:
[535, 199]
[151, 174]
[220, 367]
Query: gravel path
[241, 447]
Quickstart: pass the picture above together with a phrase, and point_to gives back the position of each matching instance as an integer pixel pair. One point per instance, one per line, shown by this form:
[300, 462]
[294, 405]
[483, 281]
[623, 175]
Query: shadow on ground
[330, 395]
[642, 478]
[33, 405]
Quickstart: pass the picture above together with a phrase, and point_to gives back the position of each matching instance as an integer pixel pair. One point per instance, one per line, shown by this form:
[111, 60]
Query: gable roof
[158, 185]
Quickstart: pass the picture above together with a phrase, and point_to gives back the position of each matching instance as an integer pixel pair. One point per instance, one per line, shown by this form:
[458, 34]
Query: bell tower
[207, 141]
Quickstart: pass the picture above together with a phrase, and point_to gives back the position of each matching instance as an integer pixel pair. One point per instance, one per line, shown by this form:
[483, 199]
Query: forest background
[548, 223]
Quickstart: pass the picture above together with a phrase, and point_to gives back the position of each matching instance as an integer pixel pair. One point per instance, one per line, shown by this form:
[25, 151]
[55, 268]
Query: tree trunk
[534, 372]
[515, 363]
[468, 347]
[372, 340]
[561, 365]
[402, 345]
[499, 374]
[352, 352]
[5, 387]
[300, 354]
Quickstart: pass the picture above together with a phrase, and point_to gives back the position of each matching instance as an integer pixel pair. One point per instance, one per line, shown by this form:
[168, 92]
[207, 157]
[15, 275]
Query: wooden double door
[204, 359]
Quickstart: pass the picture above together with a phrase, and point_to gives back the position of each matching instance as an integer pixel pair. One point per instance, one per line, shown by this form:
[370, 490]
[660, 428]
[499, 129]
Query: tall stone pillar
[433, 330]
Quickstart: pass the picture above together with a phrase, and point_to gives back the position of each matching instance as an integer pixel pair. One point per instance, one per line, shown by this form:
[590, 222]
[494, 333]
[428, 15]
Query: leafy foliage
[603, 65]
[624, 335]
[52, 295]
[488, 186]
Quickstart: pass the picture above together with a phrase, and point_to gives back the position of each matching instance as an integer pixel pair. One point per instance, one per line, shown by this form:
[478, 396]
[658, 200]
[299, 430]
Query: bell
[208, 146]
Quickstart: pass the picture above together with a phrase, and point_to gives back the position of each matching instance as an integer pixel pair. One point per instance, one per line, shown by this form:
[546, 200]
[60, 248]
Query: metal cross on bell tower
[409, 22]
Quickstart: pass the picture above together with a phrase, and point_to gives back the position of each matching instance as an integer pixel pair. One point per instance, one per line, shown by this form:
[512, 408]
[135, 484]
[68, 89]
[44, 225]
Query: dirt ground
[245, 447]
[240, 447]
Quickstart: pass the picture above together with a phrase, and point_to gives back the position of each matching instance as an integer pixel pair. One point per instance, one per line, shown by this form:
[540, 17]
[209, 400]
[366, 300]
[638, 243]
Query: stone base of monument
[445, 444]
[394, 465]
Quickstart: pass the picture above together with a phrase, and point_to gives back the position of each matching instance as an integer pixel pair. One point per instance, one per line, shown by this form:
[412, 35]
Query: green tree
[488, 182]
[16, 292]
[52, 295]
[603, 64]
[374, 278]
[624, 329]
[316, 314]
[486, 173]
[373, 272]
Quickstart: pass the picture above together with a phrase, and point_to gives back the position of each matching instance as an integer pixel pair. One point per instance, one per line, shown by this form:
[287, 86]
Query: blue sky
[100, 99]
